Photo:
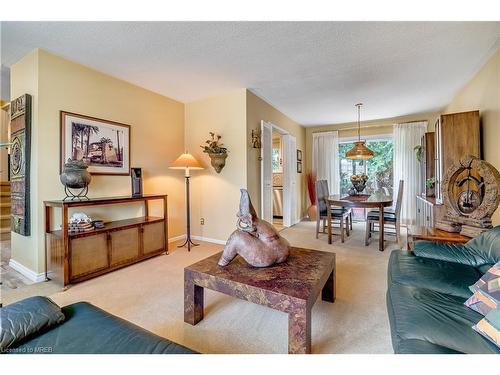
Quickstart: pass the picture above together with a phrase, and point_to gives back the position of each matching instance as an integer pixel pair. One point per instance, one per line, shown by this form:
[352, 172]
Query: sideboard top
[103, 200]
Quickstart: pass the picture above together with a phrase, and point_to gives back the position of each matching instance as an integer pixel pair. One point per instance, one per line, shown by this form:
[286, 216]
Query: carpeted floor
[150, 294]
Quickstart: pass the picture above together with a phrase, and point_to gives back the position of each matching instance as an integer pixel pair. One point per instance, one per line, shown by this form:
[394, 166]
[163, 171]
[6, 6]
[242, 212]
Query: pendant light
[359, 151]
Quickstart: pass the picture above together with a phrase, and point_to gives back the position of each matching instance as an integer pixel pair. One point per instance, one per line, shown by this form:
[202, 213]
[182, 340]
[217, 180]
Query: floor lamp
[187, 161]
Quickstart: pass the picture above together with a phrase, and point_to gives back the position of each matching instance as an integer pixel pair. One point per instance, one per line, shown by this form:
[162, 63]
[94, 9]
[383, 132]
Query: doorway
[278, 176]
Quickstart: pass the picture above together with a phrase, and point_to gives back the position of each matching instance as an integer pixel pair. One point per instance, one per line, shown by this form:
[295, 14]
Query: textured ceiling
[314, 72]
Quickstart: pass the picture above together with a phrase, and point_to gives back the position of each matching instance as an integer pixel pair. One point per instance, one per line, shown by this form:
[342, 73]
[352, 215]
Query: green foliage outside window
[379, 168]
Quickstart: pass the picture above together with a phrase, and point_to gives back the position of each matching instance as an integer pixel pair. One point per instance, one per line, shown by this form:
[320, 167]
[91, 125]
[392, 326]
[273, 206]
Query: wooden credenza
[71, 258]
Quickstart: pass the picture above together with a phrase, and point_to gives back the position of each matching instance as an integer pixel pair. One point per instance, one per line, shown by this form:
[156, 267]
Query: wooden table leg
[381, 229]
[193, 301]
[299, 331]
[329, 218]
[328, 291]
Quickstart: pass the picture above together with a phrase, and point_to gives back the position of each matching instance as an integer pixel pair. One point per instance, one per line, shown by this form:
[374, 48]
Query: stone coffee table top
[291, 287]
[298, 277]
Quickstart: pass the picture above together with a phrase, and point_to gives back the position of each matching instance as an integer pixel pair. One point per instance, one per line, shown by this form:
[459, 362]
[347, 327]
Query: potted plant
[312, 210]
[359, 182]
[216, 150]
[419, 152]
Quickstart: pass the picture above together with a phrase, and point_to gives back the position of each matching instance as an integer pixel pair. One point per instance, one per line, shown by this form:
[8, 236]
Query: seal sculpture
[255, 240]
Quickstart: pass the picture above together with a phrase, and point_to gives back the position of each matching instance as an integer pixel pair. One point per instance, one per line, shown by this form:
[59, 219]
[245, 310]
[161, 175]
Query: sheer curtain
[406, 166]
[325, 161]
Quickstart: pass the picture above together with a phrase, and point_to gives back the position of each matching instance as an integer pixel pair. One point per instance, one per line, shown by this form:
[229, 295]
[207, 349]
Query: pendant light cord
[359, 123]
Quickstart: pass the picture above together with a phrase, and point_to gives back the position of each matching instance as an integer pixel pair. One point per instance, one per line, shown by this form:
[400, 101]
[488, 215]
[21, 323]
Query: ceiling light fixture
[359, 151]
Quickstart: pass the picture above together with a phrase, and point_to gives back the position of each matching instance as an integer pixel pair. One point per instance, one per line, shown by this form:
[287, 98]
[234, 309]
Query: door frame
[289, 175]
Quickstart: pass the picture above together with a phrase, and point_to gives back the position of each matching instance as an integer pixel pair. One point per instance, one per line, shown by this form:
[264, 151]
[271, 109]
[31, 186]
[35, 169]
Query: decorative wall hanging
[20, 124]
[471, 194]
[299, 167]
[102, 144]
[299, 155]
[216, 150]
[256, 140]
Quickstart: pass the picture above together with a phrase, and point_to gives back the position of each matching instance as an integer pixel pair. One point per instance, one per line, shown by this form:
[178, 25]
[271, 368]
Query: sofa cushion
[438, 318]
[90, 330]
[23, 319]
[413, 346]
[482, 251]
[445, 277]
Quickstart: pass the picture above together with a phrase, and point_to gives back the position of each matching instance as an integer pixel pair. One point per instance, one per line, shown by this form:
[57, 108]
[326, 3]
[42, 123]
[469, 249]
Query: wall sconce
[256, 142]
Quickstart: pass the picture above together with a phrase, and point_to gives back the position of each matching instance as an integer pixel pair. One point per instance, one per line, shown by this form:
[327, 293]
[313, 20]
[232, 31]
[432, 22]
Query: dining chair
[392, 217]
[340, 214]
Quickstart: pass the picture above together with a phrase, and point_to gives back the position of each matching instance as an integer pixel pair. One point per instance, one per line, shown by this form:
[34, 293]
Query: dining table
[377, 200]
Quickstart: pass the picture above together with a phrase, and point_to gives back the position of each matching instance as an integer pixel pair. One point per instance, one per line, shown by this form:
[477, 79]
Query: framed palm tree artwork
[103, 144]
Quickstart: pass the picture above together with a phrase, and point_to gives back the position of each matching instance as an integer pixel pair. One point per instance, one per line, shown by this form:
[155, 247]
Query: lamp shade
[359, 151]
[186, 161]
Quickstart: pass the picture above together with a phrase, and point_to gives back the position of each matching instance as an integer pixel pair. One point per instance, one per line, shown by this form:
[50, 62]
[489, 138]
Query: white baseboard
[176, 238]
[27, 272]
[206, 239]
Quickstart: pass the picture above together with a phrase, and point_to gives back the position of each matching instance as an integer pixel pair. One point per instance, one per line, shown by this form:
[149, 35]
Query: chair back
[321, 194]
[399, 199]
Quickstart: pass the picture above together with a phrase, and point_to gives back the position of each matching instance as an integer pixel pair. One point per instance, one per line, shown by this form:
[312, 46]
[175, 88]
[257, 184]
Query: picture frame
[85, 137]
[299, 167]
[299, 155]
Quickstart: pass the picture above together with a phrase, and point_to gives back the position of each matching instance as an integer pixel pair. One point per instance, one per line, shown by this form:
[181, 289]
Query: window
[378, 168]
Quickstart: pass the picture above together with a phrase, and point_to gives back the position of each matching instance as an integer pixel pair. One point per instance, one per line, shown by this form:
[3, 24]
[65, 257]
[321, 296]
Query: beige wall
[258, 110]
[368, 128]
[215, 197]
[482, 93]
[157, 137]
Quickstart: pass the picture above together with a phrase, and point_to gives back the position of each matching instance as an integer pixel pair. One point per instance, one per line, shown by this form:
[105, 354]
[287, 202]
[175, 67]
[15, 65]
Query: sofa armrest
[456, 253]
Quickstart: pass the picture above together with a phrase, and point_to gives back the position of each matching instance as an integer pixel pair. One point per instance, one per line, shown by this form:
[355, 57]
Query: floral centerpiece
[359, 182]
[216, 150]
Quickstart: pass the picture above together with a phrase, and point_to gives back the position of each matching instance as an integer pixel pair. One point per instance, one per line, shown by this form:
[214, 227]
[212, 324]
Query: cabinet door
[153, 237]
[88, 254]
[124, 245]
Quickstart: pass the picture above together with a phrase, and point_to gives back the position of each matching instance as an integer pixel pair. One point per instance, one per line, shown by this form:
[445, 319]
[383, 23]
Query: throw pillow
[489, 327]
[481, 302]
[25, 318]
[491, 275]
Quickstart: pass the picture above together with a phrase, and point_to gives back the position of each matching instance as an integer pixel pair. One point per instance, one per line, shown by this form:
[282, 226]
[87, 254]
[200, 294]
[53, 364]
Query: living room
[195, 188]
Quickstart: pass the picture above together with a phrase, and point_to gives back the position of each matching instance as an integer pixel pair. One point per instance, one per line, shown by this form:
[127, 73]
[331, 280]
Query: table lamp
[186, 161]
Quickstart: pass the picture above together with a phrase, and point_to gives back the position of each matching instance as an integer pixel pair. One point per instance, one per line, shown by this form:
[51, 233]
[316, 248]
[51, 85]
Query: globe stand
[82, 194]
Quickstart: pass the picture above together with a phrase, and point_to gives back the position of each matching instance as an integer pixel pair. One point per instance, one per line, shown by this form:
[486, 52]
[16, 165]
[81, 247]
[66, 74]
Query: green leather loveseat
[426, 292]
[36, 326]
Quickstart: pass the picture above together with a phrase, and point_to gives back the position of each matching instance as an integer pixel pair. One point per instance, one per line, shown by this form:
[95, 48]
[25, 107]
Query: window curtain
[406, 166]
[325, 161]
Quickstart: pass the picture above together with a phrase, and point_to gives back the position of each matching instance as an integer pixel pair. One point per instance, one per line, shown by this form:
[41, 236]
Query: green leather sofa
[426, 292]
[82, 328]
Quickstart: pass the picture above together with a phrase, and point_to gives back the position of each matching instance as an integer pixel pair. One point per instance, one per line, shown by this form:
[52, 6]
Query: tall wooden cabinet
[456, 135]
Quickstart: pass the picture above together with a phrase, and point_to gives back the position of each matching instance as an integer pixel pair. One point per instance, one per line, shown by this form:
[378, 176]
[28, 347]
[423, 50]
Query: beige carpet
[150, 294]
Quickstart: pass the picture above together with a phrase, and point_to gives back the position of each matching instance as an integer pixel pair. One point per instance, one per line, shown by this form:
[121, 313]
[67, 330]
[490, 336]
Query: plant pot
[312, 212]
[218, 161]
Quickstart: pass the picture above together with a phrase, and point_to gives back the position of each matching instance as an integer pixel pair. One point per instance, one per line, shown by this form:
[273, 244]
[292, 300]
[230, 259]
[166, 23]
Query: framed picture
[103, 144]
[299, 167]
[299, 155]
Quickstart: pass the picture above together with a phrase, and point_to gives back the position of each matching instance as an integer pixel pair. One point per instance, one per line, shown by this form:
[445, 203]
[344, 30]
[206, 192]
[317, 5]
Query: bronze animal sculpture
[255, 240]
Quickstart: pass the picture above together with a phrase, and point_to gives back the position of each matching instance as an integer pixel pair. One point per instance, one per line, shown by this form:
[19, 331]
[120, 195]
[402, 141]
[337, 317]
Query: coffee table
[291, 287]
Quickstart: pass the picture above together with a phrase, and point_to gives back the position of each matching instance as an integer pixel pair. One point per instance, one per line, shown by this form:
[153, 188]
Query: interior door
[266, 173]
[289, 181]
